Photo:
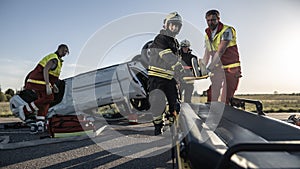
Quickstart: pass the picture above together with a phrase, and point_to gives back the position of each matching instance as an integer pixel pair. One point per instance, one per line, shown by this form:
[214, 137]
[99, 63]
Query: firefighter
[221, 47]
[164, 66]
[186, 56]
[42, 80]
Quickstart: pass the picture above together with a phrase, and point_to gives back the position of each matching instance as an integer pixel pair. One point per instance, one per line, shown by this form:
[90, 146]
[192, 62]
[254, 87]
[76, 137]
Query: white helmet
[174, 18]
[185, 43]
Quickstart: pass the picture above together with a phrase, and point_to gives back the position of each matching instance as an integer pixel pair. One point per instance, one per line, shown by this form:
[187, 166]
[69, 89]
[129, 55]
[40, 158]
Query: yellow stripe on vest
[36, 81]
[233, 65]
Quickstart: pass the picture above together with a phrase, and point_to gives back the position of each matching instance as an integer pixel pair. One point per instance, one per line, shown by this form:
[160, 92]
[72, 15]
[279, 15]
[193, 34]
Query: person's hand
[178, 68]
[202, 67]
[209, 73]
[48, 89]
[55, 89]
[208, 69]
[212, 67]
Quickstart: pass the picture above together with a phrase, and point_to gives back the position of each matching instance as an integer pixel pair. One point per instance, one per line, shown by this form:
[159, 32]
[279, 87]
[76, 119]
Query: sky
[101, 33]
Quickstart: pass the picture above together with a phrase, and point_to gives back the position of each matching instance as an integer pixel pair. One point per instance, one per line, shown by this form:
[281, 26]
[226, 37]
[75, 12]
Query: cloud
[13, 72]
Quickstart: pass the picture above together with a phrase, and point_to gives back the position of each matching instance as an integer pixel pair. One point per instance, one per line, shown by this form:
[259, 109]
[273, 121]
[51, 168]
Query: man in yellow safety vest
[41, 80]
[221, 48]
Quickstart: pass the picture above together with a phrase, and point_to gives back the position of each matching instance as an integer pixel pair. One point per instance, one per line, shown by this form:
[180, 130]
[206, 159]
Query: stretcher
[216, 136]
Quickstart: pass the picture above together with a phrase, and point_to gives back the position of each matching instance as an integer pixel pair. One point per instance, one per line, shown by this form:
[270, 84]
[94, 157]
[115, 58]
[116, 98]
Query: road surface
[117, 145]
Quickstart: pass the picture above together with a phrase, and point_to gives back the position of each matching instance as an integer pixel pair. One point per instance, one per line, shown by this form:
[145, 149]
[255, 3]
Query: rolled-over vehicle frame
[124, 83]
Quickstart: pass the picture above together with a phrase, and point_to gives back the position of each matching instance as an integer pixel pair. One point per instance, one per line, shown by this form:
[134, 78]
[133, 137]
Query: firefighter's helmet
[185, 43]
[173, 18]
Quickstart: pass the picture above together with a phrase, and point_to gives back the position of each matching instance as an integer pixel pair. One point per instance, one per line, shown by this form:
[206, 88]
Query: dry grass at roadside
[276, 102]
[271, 102]
[5, 110]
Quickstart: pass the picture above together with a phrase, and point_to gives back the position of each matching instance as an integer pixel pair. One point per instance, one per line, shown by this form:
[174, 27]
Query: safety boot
[21, 113]
[158, 129]
[37, 125]
[33, 128]
[40, 126]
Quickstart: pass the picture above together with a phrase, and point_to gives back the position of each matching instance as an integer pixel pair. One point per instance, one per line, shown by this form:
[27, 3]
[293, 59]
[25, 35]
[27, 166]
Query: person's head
[212, 18]
[185, 45]
[173, 23]
[62, 50]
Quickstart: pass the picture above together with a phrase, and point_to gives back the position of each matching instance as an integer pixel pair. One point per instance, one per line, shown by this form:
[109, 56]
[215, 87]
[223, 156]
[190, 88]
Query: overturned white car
[123, 84]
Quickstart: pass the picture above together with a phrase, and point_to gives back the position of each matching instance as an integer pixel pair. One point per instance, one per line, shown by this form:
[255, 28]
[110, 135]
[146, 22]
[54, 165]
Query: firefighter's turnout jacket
[187, 62]
[165, 57]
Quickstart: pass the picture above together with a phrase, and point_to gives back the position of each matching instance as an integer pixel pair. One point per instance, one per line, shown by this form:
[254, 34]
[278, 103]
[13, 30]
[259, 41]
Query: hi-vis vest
[230, 58]
[37, 77]
[45, 60]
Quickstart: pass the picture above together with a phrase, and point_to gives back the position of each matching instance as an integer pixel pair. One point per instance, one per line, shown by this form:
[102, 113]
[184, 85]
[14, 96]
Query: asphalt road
[116, 146]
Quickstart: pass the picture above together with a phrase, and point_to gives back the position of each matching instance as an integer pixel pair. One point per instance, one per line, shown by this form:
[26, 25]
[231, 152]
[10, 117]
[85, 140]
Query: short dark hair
[213, 12]
[63, 46]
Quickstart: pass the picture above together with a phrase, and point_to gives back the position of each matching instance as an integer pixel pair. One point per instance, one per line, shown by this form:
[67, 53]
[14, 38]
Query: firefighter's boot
[158, 128]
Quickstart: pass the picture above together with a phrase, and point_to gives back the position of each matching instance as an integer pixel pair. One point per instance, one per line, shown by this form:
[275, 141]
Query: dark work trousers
[187, 89]
[160, 89]
[43, 101]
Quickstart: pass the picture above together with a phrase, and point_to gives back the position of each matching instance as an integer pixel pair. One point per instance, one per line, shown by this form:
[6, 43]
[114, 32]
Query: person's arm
[217, 56]
[226, 38]
[205, 58]
[50, 65]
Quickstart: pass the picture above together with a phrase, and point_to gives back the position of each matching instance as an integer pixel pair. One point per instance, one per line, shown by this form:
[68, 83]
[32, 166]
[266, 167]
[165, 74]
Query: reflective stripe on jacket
[159, 72]
[164, 56]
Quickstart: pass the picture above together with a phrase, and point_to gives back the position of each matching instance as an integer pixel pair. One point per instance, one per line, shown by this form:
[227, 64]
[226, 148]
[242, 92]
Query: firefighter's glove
[48, 89]
[171, 116]
[55, 89]
[178, 68]
[177, 107]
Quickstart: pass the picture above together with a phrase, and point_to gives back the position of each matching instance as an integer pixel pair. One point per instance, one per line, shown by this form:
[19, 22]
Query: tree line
[5, 97]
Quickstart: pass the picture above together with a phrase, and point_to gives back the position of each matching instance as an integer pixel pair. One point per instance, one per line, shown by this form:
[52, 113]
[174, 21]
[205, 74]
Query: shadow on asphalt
[52, 156]
[81, 154]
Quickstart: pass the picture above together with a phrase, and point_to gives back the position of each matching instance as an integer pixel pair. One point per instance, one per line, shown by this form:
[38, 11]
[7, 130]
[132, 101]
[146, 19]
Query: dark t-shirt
[187, 58]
